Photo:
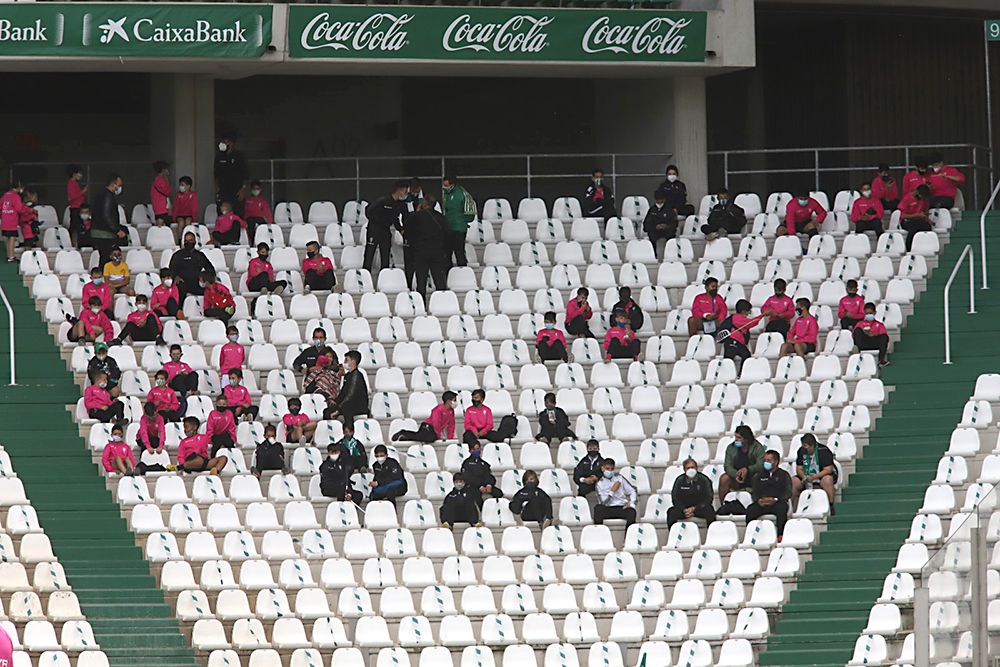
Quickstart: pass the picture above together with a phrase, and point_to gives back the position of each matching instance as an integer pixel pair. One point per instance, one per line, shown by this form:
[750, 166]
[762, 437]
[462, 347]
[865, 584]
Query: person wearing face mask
[165, 398]
[117, 275]
[352, 451]
[616, 497]
[260, 273]
[238, 397]
[459, 506]
[351, 401]
[885, 189]
[779, 309]
[440, 425]
[459, 210]
[851, 308]
[620, 341]
[102, 362]
[326, 377]
[298, 425]
[98, 287]
[739, 324]
[220, 426]
[388, 481]
[676, 193]
[944, 182]
[550, 343]
[578, 312]
[27, 219]
[870, 334]
[106, 230]
[599, 201]
[152, 435]
[691, 496]
[628, 305]
[165, 300]
[427, 236]
[228, 226]
[867, 212]
[192, 453]
[307, 358]
[231, 173]
[99, 403]
[187, 265]
[269, 453]
[478, 475]
[335, 475]
[232, 355]
[317, 270]
[707, 310]
[553, 423]
[141, 325]
[803, 335]
[918, 176]
[76, 195]
[588, 469]
[160, 193]
[803, 215]
[384, 217]
[93, 323]
[771, 490]
[180, 377]
[85, 219]
[660, 222]
[117, 457]
[744, 459]
[478, 419]
[814, 469]
[914, 209]
[219, 301]
[11, 206]
[185, 204]
[256, 209]
[532, 503]
[724, 218]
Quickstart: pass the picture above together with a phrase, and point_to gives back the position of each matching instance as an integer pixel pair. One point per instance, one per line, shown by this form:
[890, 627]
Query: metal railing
[966, 252]
[10, 316]
[982, 229]
[837, 168]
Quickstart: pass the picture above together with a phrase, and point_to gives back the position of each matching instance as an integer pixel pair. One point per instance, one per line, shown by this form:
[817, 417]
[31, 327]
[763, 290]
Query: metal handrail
[967, 251]
[982, 230]
[10, 314]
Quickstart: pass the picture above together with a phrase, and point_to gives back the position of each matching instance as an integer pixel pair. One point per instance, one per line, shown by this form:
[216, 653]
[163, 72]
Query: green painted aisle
[105, 568]
[829, 607]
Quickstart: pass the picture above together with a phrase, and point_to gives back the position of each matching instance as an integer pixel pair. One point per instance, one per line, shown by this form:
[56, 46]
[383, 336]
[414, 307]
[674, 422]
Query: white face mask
[866, 193]
[672, 178]
[937, 169]
[182, 188]
[85, 216]
[691, 472]
[141, 307]
[95, 310]
[222, 146]
[168, 282]
[116, 438]
[380, 459]
[334, 457]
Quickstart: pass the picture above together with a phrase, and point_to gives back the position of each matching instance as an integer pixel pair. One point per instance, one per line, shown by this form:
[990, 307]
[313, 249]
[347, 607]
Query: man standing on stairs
[771, 491]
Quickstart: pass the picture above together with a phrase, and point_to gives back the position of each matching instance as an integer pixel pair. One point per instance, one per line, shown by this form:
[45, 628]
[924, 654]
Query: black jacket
[825, 457]
[558, 428]
[104, 222]
[335, 477]
[659, 216]
[188, 265]
[463, 502]
[692, 492]
[231, 171]
[109, 366]
[587, 467]
[727, 215]
[677, 194]
[357, 461]
[390, 471]
[635, 315]
[523, 496]
[353, 397]
[594, 208]
[774, 484]
[384, 214]
[307, 357]
[426, 231]
[477, 473]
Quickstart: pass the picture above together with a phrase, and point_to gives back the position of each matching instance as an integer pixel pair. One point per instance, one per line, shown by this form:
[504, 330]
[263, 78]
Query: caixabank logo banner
[141, 30]
[484, 34]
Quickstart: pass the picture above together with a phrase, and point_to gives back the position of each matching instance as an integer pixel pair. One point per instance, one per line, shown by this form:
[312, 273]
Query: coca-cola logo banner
[508, 34]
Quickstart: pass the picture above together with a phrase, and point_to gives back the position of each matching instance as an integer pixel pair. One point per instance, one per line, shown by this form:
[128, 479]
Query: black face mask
[713, 292]
[310, 255]
[263, 258]
[189, 245]
[886, 178]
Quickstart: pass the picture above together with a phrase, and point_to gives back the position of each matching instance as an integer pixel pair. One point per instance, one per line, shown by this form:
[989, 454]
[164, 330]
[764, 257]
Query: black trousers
[554, 352]
[537, 508]
[942, 202]
[169, 309]
[735, 350]
[263, 281]
[619, 351]
[868, 226]
[604, 512]
[779, 509]
[433, 265]
[880, 343]
[471, 438]
[381, 241]
[453, 513]
[75, 228]
[848, 322]
[189, 288]
[777, 325]
[113, 413]
[732, 226]
[585, 489]
[218, 314]
[320, 281]
[457, 247]
[172, 415]
[232, 237]
[665, 234]
[911, 227]
[220, 441]
[706, 512]
[185, 383]
[408, 268]
[578, 327]
[147, 332]
[424, 433]
[890, 204]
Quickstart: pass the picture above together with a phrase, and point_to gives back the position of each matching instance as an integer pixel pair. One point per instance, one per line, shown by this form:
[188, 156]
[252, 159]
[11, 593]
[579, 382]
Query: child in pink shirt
[142, 324]
[227, 226]
[260, 273]
[117, 456]
[99, 404]
[578, 312]
[166, 298]
[238, 397]
[778, 309]
[550, 342]
[804, 332]
[220, 425]
[851, 309]
[803, 215]
[192, 453]
[944, 181]
[478, 420]
[232, 354]
[164, 398]
[28, 218]
[100, 288]
[870, 334]
[298, 425]
[439, 425]
[93, 323]
[180, 376]
[159, 193]
[620, 342]
[11, 206]
[152, 434]
[256, 209]
[317, 270]
[185, 203]
[707, 309]
[867, 211]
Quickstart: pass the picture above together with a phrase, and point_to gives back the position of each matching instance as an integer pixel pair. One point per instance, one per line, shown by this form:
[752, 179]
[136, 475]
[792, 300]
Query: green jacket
[454, 209]
[756, 459]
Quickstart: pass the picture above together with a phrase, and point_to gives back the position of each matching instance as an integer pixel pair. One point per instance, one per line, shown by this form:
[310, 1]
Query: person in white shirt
[616, 496]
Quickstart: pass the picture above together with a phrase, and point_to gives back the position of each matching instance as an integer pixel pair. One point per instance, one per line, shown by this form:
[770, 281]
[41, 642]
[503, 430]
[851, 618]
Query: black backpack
[507, 427]
[270, 456]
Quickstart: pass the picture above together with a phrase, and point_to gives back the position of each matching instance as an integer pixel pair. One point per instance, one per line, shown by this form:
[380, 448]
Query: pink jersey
[796, 213]
[159, 195]
[237, 395]
[11, 207]
[258, 266]
[227, 221]
[704, 304]
[25, 218]
[888, 191]
[174, 367]
[478, 419]
[782, 306]
[319, 264]
[218, 423]
[139, 318]
[914, 179]
[291, 421]
[91, 320]
[742, 326]
[196, 444]
[859, 209]
[6, 649]
[150, 428]
[872, 328]
[804, 329]
[162, 294]
[852, 307]
[102, 291]
[622, 334]
[574, 310]
[164, 398]
[116, 450]
[442, 419]
[257, 207]
[74, 193]
[911, 205]
[232, 355]
[96, 398]
[945, 187]
[550, 337]
[186, 205]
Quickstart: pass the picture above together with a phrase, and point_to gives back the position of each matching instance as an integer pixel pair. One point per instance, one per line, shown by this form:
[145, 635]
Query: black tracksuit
[459, 506]
[383, 215]
[335, 478]
[587, 467]
[389, 480]
[554, 426]
[532, 504]
[477, 473]
[730, 217]
[660, 215]
[771, 484]
[352, 400]
[691, 492]
[426, 233]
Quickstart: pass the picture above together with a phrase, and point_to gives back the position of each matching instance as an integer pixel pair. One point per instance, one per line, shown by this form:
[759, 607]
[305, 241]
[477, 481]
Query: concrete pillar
[691, 135]
[183, 129]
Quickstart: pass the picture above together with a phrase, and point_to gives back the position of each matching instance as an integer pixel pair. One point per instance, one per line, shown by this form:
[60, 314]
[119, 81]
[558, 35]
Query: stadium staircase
[131, 621]
[830, 605]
